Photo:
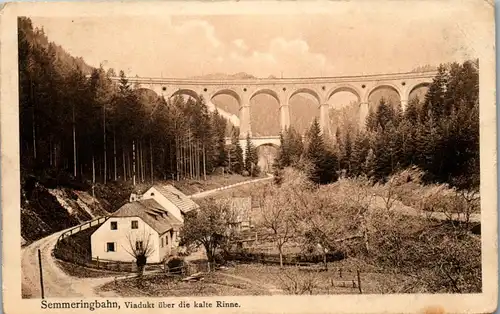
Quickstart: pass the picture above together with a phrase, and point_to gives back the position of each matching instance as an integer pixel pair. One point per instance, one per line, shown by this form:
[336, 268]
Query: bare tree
[294, 281]
[280, 209]
[140, 247]
[209, 226]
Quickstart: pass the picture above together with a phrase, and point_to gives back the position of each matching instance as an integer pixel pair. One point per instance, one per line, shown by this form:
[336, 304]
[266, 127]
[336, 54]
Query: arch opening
[266, 153]
[304, 108]
[189, 93]
[266, 91]
[343, 113]
[388, 92]
[227, 92]
[418, 92]
[227, 102]
[265, 113]
[148, 98]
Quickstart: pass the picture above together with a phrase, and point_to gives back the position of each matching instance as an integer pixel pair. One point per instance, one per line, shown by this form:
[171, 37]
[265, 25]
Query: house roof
[152, 213]
[179, 199]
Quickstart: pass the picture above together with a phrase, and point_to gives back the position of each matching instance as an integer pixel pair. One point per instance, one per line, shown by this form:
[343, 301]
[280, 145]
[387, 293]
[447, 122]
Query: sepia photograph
[187, 153]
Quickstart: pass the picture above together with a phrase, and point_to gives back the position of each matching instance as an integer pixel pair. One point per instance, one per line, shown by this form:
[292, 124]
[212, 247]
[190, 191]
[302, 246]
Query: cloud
[181, 48]
[187, 46]
[240, 43]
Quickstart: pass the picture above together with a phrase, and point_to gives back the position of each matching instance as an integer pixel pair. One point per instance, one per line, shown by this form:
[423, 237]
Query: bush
[219, 259]
[175, 265]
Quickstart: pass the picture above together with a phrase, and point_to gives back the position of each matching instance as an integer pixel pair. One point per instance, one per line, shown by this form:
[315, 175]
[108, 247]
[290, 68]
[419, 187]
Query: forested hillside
[80, 132]
[94, 129]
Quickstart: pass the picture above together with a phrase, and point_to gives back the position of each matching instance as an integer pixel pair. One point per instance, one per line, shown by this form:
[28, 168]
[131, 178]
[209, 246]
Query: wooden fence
[86, 225]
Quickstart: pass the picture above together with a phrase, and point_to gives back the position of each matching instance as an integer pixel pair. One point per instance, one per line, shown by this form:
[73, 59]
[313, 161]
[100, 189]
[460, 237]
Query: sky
[334, 44]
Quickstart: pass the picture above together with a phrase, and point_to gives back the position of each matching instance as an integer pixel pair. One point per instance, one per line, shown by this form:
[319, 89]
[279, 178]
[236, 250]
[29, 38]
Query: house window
[166, 240]
[152, 194]
[139, 246]
[161, 242]
[110, 247]
[135, 224]
[114, 225]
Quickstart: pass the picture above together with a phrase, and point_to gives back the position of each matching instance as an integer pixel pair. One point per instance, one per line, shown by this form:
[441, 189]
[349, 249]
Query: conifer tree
[359, 153]
[235, 153]
[283, 157]
[251, 157]
[323, 161]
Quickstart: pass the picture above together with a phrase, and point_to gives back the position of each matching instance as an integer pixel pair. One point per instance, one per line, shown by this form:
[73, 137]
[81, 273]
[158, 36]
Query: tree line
[75, 120]
[439, 135]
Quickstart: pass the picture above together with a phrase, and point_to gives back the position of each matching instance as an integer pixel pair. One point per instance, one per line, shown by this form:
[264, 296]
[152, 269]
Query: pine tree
[251, 157]
[370, 164]
[323, 161]
[434, 99]
[283, 157]
[235, 153]
[359, 153]
[371, 120]
[295, 145]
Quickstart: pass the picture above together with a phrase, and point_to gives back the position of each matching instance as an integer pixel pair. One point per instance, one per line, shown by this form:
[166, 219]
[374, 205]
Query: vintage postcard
[249, 157]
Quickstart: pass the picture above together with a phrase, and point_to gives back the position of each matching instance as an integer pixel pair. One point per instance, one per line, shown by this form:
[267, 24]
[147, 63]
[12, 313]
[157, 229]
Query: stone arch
[265, 116]
[266, 91]
[384, 85]
[390, 86]
[227, 91]
[270, 143]
[185, 91]
[266, 155]
[344, 88]
[416, 86]
[307, 90]
[146, 90]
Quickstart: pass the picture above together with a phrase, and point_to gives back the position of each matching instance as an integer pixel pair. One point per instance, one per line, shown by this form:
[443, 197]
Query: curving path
[209, 192]
[56, 282]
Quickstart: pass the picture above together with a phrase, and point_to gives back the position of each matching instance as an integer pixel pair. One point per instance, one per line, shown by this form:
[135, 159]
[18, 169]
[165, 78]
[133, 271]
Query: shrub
[219, 259]
[175, 265]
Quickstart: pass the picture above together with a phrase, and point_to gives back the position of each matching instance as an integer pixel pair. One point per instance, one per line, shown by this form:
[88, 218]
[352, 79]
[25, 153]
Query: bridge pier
[363, 114]
[324, 118]
[284, 116]
[404, 104]
[244, 116]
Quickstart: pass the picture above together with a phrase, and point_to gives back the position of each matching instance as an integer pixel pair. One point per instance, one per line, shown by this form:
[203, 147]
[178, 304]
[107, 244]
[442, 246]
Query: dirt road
[210, 192]
[56, 282]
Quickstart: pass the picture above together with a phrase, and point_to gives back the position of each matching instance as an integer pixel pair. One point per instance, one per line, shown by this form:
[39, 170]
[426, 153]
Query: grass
[326, 282]
[189, 187]
[85, 272]
[160, 285]
[255, 279]
[253, 190]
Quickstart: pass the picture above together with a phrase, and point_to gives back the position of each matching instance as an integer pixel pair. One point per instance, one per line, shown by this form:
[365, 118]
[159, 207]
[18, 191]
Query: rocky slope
[46, 209]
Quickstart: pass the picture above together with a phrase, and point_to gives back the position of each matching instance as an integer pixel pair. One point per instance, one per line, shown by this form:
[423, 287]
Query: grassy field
[254, 279]
[189, 187]
[85, 272]
[317, 281]
[160, 285]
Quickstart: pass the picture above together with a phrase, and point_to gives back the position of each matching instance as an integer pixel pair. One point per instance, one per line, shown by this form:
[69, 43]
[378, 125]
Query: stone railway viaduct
[283, 89]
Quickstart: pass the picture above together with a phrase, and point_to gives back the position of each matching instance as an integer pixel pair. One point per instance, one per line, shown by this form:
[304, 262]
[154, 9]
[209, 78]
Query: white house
[153, 218]
[135, 224]
[173, 200]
